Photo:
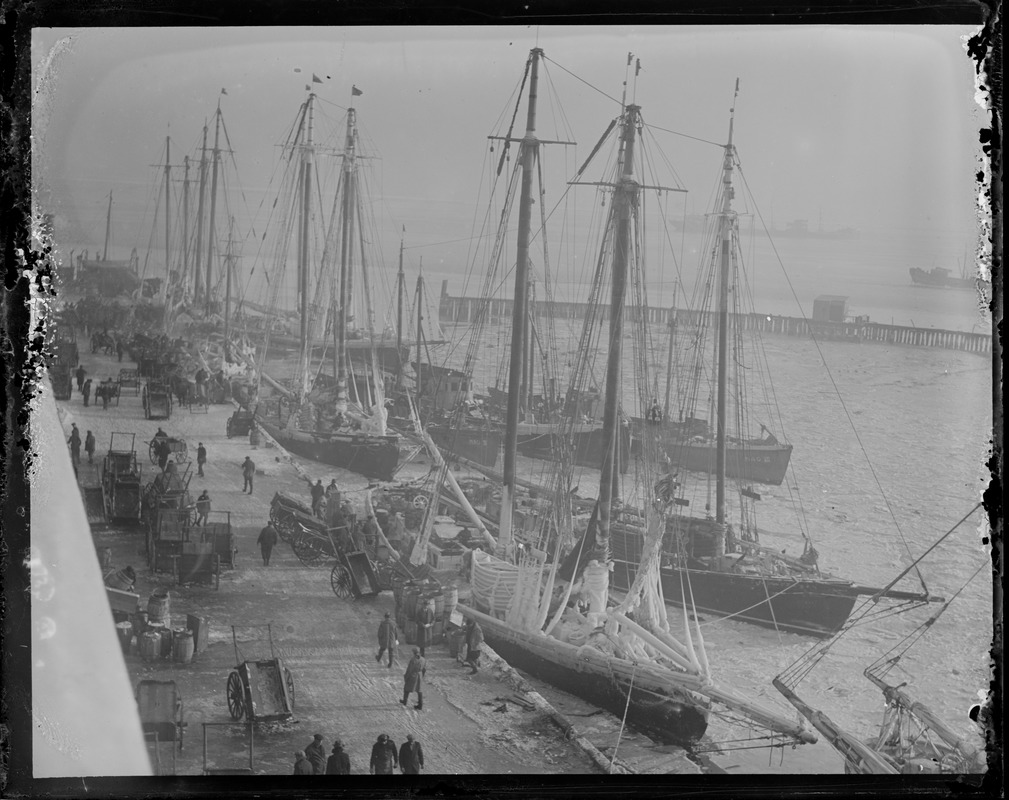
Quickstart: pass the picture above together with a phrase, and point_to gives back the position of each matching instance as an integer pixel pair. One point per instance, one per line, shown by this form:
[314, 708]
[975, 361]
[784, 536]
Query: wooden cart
[354, 575]
[217, 533]
[260, 690]
[157, 400]
[240, 423]
[121, 479]
[177, 448]
[161, 718]
[128, 379]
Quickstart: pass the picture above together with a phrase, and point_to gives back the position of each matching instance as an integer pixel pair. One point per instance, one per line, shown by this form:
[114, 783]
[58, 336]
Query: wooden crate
[127, 602]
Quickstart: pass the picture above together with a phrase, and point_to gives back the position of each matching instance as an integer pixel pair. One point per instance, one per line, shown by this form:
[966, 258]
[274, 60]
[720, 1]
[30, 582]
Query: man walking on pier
[267, 539]
[75, 447]
[89, 447]
[248, 472]
[201, 459]
[86, 391]
[81, 372]
[387, 638]
[413, 679]
[318, 492]
[411, 756]
[474, 640]
[383, 756]
[202, 509]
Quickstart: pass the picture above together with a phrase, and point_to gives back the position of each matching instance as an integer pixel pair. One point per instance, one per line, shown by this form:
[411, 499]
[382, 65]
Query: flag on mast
[224, 91]
[316, 78]
[355, 92]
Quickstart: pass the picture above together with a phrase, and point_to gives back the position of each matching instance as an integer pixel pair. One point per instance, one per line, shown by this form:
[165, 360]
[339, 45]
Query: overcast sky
[873, 128]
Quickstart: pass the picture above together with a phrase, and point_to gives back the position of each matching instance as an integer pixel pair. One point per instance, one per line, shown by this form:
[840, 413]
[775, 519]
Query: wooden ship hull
[367, 454]
[799, 602]
[656, 708]
[754, 460]
[478, 445]
[586, 444]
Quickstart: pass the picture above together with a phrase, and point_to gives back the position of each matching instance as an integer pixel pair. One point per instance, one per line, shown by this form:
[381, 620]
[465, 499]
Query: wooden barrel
[139, 623]
[398, 581]
[124, 630]
[150, 646]
[450, 599]
[410, 593]
[437, 631]
[410, 632]
[183, 646]
[439, 603]
[167, 634]
[158, 605]
[119, 579]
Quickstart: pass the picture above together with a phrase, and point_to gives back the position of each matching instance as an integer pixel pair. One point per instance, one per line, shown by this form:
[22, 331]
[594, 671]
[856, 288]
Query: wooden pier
[465, 309]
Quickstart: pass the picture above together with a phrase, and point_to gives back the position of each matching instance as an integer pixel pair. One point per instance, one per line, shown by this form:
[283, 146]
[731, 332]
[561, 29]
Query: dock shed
[830, 308]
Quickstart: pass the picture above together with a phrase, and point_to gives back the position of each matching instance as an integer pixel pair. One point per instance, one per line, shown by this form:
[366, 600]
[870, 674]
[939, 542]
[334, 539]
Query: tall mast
[625, 198]
[185, 220]
[726, 223]
[108, 228]
[345, 251]
[168, 209]
[227, 293]
[529, 153]
[198, 286]
[213, 204]
[420, 330]
[400, 287]
[303, 268]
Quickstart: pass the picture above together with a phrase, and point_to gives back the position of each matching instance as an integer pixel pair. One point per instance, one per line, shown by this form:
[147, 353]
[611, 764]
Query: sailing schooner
[319, 423]
[622, 658]
[725, 571]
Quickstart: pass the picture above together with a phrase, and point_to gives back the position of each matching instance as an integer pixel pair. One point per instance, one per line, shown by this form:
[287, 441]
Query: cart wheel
[420, 501]
[227, 429]
[339, 578]
[289, 680]
[236, 697]
[154, 456]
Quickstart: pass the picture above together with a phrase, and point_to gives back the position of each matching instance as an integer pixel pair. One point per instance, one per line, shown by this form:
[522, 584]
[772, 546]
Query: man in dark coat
[474, 640]
[387, 638]
[119, 349]
[339, 762]
[425, 625]
[80, 373]
[248, 473]
[318, 492]
[413, 679]
[164, 451]
[201, 459]
[411, 756]
[75, 444]
[333, 496]
[317, 755]
[267, 539]
[202, 509]
[383, 756]
[302, 766]
[89, 447]
[86, 391]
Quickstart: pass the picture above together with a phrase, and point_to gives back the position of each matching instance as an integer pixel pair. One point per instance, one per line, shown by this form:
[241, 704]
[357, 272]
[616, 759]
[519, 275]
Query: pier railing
[465, 310]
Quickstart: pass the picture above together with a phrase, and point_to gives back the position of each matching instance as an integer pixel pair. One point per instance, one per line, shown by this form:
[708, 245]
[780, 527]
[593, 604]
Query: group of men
[106, 389]
[75, 446]
[385, 757]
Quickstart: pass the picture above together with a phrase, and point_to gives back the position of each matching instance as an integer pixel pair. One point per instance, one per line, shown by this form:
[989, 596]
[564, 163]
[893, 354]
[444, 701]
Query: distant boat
[941, 278]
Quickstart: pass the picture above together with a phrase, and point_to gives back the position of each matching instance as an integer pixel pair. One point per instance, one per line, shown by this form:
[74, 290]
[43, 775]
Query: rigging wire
[837, 390]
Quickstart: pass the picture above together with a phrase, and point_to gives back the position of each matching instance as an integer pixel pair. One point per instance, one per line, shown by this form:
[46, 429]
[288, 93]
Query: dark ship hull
[479, 445]
[586, 444]
[806, 604]
[367, 454]
[668, 718]
[756, 460]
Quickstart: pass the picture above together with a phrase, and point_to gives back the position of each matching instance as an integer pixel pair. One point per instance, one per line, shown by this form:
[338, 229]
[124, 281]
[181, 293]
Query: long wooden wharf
[464, 310]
